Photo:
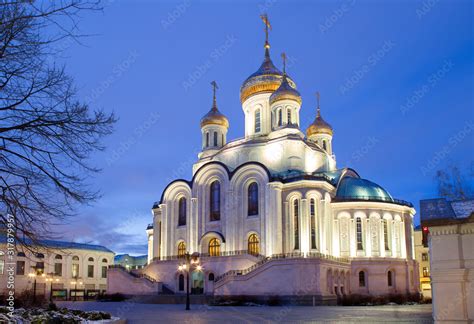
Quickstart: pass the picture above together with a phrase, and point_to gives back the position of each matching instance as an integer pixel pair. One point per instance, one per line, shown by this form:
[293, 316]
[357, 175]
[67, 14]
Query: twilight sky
[396, 83]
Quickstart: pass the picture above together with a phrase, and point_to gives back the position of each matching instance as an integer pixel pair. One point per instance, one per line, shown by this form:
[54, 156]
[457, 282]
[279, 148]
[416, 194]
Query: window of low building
[104, 272]
[20, 268]
[58, 269]
[90, 271]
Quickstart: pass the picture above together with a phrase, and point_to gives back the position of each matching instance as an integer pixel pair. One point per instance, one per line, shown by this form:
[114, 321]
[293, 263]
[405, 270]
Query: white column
[403, 246]
[353, 236]
[304, 225]
[381, 239]
[368, 240]
[336, 250]
[193, 226]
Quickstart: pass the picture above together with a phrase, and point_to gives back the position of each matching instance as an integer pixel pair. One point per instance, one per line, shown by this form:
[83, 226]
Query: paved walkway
[153, 313]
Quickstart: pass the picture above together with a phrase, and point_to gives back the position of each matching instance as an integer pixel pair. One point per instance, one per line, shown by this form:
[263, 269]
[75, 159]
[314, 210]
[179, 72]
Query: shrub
[112, 297]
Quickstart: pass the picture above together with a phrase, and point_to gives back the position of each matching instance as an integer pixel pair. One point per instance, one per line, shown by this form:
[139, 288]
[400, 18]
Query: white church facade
[272, 214]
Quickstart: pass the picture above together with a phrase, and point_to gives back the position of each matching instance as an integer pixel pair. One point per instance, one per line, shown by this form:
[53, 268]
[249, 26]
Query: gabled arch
[212, 234]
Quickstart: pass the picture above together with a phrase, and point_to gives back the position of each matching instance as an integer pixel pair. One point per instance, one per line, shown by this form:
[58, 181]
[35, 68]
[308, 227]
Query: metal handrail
[291, 255]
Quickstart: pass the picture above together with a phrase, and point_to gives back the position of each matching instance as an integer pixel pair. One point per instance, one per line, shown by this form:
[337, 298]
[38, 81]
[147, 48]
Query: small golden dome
[267, 79]
[319, 126]
[214, 117]
[285, 91]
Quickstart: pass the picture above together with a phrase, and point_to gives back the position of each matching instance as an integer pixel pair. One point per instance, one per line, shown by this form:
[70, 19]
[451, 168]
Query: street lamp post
[190, 260]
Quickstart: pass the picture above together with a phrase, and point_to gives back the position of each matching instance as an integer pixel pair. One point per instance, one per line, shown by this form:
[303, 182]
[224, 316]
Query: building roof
[361, 188]
[60, 244]
[441, 211]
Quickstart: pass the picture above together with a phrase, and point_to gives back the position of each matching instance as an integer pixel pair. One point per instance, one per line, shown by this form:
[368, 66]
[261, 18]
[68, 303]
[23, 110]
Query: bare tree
[453, 185]
[47, 134]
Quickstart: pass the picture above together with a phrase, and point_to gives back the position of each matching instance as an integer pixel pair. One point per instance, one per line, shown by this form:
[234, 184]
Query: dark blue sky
[395, 77]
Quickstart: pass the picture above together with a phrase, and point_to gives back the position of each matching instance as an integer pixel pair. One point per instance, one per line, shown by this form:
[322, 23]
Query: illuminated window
[215, 201]
[257, 121]
[360, 245]
[424, 257]
[39, 268]
[385, 235]
[296, 209]
[252, 199]
[181, 249]
[215, 138]
[75, 270]
[312, 211]
[426, 272]
[389, 279]
[361, 279]
[254, 245]
[182, 211]
[214, 247]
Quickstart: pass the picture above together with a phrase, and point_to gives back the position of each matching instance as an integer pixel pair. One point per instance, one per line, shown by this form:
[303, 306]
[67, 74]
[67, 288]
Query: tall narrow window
[181, 249]
[257, 121]
[312, 211]
[215, 201]
[207, 139]
[252, 199]
[296, 211]
[214, 247]
[289, 116]
[280, 117]
[222, 138]
[253, 245]
[182, 211]
[215, 138]
[324, 145]
[361, 279]
[360, 245]
[389, 279]
[385, 235]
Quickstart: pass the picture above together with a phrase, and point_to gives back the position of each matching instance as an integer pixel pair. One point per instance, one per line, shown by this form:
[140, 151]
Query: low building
[62, 269]
[130, 262]
[422, 256]
[450, 226]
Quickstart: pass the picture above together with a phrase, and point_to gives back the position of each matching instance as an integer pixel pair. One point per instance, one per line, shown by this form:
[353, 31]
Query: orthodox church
[272, 213]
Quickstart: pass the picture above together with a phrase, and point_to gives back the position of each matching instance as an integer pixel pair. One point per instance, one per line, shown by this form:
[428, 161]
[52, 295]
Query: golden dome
[319, 126]
[285, 91]
[214, 117]
[267, 79]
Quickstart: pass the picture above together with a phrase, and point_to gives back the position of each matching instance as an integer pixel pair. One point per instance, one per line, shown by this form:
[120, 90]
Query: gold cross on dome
[317, 100]
[265, 20]
[283, 56]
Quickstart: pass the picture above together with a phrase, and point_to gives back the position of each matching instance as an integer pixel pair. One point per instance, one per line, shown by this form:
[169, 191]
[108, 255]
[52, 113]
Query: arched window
[75, 258]
[215, 205]
[289, 116]
[280, 117]
[253, 245]
[91, 259]
[40, 255]
[360, 245]
[361, 279]
[181, 282]
[324, 145]
[257, 121]
[207, 139]
[215, 138]
[182, 211]
[104, 260]
[211, 277]
[312, 211]
[296, 223]
[214, 247]
[389, 279]
[181, 249]
[58, 257]
[21, 254]
[252, 199]
[385, 235]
